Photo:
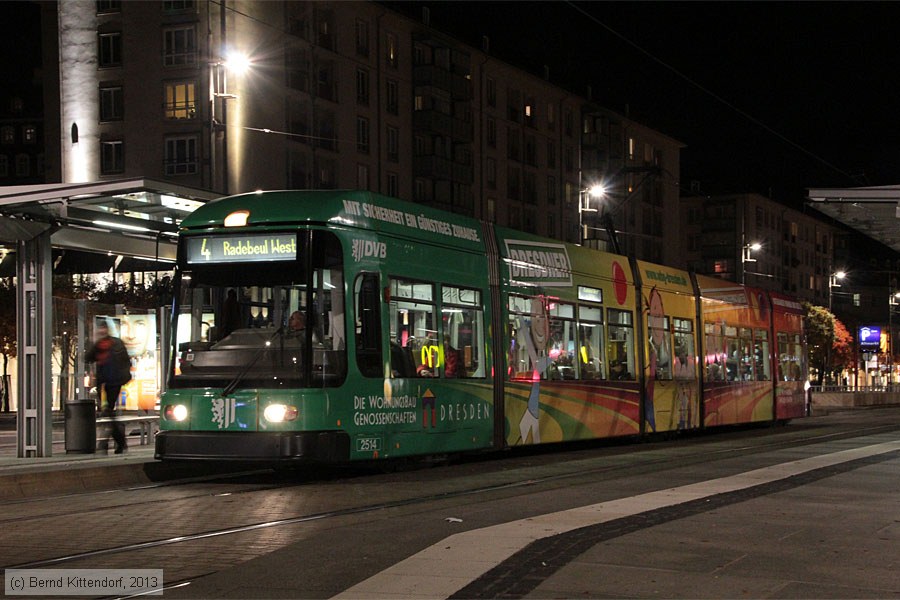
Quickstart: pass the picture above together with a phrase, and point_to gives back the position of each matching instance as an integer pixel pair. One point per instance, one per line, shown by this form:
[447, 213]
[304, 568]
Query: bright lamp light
[597, 190]
[237, 62]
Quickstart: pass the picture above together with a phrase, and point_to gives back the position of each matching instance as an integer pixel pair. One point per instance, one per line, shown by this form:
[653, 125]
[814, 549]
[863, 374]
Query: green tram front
[259, 347]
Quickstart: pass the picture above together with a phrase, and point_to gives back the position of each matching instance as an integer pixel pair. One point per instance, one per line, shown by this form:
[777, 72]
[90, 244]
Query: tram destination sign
[241, 248]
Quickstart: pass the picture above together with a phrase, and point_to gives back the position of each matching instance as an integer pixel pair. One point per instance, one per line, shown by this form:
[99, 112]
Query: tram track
[681, 460]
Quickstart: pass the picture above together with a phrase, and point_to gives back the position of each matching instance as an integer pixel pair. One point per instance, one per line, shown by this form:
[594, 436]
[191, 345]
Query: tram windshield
[261, 324]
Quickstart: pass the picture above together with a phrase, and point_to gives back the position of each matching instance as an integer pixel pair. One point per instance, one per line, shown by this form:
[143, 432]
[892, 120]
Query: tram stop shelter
[872, 211]
[76, 227]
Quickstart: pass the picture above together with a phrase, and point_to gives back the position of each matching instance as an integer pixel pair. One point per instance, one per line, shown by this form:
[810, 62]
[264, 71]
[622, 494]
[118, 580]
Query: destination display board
[241, 248]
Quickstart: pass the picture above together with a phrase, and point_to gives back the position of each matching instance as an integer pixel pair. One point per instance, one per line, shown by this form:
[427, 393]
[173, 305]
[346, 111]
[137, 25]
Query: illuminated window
[112, 157]
[391, 50]
[181, 155]
[112, 105]
[29, 134]
[110, 54]
[179, 46]
[180, 101]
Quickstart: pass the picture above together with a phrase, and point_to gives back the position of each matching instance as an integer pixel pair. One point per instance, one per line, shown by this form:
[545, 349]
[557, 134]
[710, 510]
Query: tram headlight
[278, 413]
[176, 412]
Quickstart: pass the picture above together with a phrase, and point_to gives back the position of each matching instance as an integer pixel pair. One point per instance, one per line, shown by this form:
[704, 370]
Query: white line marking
[469, 555]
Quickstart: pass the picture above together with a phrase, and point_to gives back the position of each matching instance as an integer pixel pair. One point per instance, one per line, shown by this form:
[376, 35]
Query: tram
[345, 325]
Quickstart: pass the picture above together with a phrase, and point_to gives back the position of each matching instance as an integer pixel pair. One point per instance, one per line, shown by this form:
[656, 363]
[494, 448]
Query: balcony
[442, 124]
[457, 85]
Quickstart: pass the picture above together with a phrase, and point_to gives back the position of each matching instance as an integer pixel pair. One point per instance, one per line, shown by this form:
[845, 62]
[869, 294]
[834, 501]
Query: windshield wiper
[232, 385]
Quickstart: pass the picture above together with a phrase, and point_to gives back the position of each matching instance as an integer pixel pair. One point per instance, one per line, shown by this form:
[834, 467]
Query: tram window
[660, 345]
[414, 329]
[368, 325]
[683, 359]
[590, 352]
[462, 327]
[620, 344]
[761, 355]
[561, 347]
[745, 358]
[529, 335]
[271, 324]
[715, 358]
[732, 354]
[789, 353]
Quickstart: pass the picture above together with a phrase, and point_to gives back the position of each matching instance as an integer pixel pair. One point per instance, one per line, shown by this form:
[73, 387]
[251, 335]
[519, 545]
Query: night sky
[825, 76]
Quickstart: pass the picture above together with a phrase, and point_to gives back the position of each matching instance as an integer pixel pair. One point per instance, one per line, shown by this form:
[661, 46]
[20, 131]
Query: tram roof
[349, 208]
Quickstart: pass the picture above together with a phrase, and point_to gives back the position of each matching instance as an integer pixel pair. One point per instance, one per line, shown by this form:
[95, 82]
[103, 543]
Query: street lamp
[893, 300]
[597, 190]
[747, 257]
[236, 63]
[833, 283]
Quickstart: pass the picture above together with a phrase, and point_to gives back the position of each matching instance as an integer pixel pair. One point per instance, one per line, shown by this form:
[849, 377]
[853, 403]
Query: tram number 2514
[368, 444]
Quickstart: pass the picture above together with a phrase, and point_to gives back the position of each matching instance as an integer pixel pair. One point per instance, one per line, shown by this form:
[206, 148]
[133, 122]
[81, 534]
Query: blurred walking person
[113, 371]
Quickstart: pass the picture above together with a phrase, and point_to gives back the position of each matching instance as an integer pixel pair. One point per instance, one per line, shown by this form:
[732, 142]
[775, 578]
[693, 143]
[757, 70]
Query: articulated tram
[344, 325]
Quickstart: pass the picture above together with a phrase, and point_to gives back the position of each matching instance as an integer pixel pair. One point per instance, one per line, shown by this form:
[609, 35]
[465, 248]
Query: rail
[149, 425]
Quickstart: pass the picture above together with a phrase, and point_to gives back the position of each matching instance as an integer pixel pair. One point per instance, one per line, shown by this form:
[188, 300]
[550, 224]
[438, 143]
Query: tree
[8, 344]
[828, 342]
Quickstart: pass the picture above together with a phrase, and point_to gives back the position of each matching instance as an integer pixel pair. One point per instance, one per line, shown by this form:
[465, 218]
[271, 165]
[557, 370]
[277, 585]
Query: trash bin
[81, 426]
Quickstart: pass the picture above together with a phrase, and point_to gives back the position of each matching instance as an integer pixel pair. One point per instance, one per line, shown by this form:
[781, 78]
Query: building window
[4, 165]
[530, 150]
[513, 183]
[419, 192]
[551, 117]
[529, 186]
[112, 157]
[8, 135]
[23, 165]
[298, 176]
[570, 159]
[393, 96]
[514, 218]
[491, 91]
[181, 155]
[362, 135]
[569, 119]
[362, 37]
[296, 69]
[108, 6]
[393, 144]
[391, 50]
[491, 209]
[513, 142]
[327, 87]
[110, 50]
[362, 177]
[551, 155]
[112, 104]
[491, 132]
[362, 87]
[551, 189]
[298, 122]
[325, 29]
[327, 170]
[393, 188]
[551, 225]
[180, 101]
[326, 131]
[179, 46]
[177, 5]
[29, 134]
[490, 173]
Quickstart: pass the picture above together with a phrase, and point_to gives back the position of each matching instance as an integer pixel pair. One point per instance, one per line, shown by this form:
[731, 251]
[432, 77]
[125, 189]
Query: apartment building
[795, 249]
[341, 95]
